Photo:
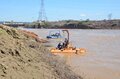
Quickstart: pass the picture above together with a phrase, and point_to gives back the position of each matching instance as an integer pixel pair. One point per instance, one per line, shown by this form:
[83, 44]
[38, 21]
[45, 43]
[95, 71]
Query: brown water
[102, 60]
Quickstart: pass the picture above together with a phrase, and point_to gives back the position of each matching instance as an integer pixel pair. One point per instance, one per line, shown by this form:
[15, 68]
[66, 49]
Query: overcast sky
[28, 10]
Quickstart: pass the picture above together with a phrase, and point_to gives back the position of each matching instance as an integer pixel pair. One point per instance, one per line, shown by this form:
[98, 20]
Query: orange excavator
[66, 47]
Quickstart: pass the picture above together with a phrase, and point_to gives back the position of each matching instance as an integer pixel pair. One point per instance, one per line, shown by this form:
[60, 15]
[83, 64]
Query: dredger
[67, 47]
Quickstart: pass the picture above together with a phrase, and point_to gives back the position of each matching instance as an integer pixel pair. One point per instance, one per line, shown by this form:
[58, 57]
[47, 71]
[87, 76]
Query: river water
[102, 59]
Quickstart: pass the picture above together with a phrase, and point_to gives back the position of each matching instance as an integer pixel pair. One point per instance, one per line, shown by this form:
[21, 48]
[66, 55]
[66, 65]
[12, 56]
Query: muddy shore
[23, 56]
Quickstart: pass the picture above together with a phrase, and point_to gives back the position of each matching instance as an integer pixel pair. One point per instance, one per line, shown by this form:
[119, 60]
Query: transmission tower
[42, 14]
[110, 16]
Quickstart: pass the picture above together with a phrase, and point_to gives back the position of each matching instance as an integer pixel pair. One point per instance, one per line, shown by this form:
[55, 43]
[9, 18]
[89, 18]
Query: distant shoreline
[70, 24]
[73, 24]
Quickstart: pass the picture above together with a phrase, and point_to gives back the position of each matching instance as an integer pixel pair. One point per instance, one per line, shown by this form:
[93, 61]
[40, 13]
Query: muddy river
[102, 59]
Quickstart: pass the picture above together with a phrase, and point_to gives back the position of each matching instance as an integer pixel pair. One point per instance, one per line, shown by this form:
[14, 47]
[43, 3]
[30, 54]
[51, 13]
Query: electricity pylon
[42, 14]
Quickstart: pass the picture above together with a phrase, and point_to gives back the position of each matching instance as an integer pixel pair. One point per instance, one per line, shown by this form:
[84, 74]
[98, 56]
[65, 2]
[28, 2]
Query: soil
[24, 57]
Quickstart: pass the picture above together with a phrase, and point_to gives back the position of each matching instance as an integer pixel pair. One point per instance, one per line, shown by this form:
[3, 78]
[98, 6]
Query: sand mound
[24, 57]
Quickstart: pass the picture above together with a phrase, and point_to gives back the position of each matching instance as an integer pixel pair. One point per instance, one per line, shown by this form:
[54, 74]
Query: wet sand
[101, 60]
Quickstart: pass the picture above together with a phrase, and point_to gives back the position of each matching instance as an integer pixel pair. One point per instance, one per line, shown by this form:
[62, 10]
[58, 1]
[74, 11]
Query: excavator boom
[67, 34]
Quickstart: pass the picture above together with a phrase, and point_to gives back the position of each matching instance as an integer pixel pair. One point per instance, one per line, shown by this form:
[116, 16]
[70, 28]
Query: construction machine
[54, 34]
[66, 47]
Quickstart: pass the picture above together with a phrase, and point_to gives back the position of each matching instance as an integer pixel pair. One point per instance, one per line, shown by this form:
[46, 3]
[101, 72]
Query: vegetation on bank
[73, 24]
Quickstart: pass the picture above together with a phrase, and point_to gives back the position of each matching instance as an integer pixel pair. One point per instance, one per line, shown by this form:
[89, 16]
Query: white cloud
[83, 15]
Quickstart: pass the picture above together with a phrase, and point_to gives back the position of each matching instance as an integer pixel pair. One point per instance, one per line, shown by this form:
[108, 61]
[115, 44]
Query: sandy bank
[22, 56]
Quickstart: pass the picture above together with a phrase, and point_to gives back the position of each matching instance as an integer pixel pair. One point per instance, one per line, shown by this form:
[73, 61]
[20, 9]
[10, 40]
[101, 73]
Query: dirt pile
[24, 57]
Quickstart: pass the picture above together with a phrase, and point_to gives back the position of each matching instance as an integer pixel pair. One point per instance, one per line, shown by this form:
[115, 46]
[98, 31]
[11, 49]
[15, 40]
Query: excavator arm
[67, 34]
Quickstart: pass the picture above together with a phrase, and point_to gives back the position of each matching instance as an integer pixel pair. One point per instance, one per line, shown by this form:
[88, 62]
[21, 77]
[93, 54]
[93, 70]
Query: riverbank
[76, 24]
[23, 56]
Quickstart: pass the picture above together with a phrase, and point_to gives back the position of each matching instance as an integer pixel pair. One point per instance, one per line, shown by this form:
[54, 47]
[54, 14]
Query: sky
[28, 10]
